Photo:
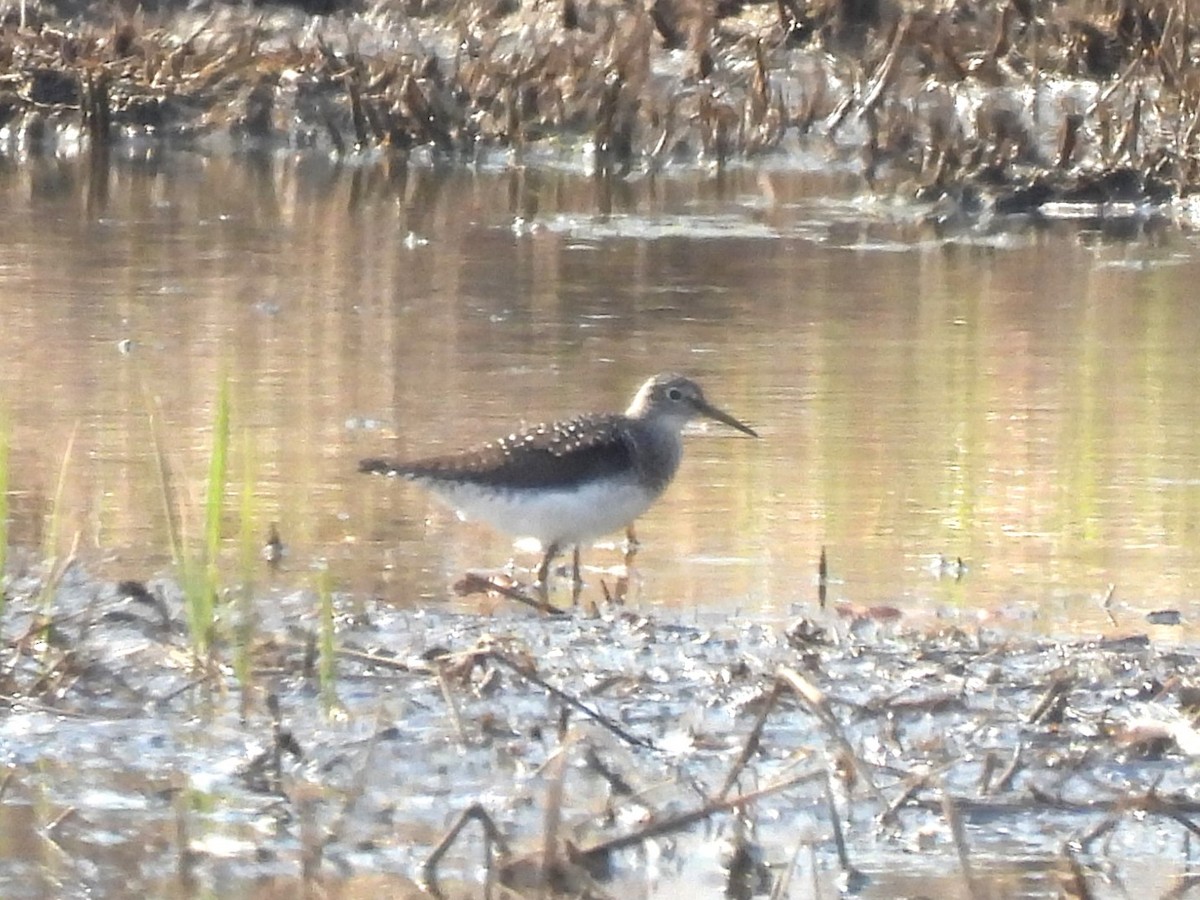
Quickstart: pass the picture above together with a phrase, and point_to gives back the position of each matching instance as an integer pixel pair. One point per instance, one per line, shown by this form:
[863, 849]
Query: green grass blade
[170, 510]
[327, 662]
[4, 481]
[201, 576]
[218, 473]
[50, 544]
[249, 558]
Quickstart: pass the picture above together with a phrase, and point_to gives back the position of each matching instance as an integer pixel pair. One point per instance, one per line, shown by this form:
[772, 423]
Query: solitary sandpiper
[568, 482]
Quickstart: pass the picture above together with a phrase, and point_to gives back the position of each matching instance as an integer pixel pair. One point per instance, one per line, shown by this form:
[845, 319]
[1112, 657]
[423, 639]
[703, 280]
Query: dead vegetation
[1021, 103]
[574, 754]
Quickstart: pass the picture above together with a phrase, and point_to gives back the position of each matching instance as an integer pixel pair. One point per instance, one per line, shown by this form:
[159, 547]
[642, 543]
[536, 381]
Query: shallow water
[126, 772]
[1021, 398]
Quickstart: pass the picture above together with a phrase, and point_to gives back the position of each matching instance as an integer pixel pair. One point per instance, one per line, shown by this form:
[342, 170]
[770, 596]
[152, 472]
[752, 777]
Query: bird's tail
[380, 467]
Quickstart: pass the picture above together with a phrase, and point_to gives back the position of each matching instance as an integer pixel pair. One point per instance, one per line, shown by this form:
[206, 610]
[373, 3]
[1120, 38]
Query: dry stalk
[816, 701]
[882, 76]
[891, 812]
[1052, 703]
[1075, 883]
[556, 768]
[839, 838]
[822, 579]
[472, 583]
[1125, 77]
[525, 672]
[492, 836]
[1004, 782]
[688, 819]
[451, 706]
[958, 832]
[753, 739]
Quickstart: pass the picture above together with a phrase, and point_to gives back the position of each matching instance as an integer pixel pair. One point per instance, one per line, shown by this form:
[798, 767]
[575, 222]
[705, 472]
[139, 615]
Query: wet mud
[596, 753]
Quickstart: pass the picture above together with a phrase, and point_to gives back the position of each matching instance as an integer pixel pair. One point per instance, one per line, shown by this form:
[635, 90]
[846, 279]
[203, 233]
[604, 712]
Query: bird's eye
[674, 394]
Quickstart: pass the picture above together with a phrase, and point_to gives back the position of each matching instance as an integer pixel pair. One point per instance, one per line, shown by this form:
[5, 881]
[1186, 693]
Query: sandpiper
[568, 482]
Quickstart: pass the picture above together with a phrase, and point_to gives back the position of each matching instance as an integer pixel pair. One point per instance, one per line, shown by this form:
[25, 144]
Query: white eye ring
[674, 394]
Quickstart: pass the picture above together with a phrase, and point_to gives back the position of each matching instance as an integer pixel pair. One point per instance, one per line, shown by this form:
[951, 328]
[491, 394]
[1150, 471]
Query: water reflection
[1022, 399]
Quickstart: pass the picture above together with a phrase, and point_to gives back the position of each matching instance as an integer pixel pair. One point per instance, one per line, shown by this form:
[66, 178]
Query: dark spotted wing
[556, 455]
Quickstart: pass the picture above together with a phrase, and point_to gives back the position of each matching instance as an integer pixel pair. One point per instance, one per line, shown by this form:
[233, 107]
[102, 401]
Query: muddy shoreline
[977, 108]
[605, 750]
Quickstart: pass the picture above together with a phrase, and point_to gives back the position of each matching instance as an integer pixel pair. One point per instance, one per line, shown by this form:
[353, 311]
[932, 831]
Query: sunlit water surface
[1022, 398]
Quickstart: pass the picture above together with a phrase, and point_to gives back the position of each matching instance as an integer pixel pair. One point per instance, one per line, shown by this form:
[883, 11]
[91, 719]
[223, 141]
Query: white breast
[567, 516]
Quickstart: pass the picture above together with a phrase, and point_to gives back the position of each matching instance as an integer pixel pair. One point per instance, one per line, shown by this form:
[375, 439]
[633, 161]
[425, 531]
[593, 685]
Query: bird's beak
[706, 409]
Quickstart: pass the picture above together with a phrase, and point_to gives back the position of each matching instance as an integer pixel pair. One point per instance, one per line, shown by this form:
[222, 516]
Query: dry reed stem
[472, 583]
[958, 832]
[525, 672]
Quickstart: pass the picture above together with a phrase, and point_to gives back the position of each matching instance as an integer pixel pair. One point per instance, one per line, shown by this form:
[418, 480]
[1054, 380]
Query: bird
[568, 482]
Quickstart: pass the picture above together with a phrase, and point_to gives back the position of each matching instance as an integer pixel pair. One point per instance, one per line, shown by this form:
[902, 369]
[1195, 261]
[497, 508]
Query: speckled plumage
[571, 481]
[556, 454]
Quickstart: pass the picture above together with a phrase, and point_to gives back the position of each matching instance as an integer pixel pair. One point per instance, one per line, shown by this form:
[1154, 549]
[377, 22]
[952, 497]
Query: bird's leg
[543, 575]
[631, 546]
[576, 578]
